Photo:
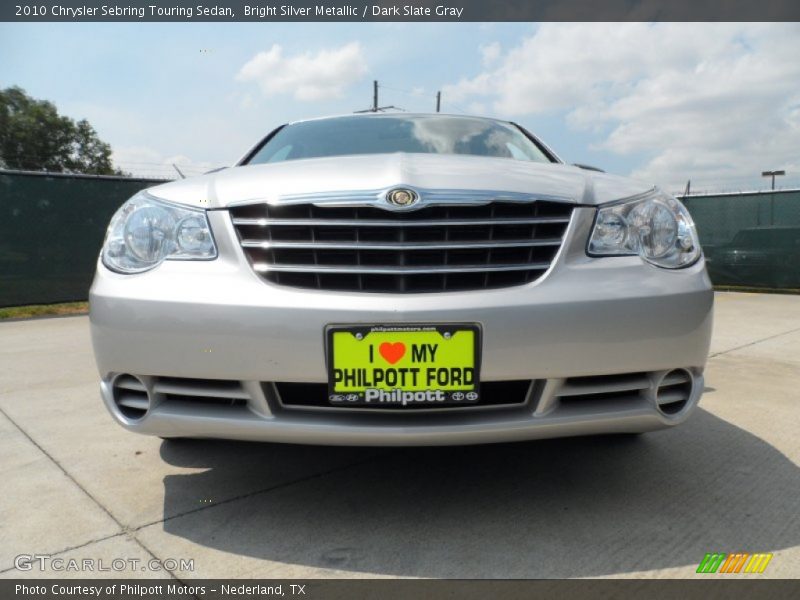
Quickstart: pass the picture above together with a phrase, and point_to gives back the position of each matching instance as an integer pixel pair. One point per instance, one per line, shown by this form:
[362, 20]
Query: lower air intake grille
[580, 393]
[315, 395]
[671, 391]
[368, 249]
[200, 391]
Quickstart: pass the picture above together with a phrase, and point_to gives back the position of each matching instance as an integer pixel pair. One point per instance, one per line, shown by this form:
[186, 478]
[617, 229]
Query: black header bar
[401, 10]
[711, 587]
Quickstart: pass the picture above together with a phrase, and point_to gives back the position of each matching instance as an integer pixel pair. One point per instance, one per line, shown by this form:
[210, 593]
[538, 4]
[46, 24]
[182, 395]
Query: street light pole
[772, 196]
[772, 174]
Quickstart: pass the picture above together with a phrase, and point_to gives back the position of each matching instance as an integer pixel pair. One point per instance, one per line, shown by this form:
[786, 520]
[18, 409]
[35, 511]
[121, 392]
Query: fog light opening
[674, 392]
[130, 397]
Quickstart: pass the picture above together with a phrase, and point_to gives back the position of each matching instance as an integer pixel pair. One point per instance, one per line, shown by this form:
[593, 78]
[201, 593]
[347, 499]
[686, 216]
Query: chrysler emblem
[401, 197]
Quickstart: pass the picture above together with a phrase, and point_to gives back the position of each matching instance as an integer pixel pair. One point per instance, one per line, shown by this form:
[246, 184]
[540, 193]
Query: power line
[458, 108]
[38, 158]
[415, 93]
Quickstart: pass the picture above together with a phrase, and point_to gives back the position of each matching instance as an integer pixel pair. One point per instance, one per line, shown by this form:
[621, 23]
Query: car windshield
[379, 134]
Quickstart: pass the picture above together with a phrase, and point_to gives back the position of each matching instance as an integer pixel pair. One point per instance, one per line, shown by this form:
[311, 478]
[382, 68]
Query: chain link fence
[750, 239]
[52, 227]
[51, 230]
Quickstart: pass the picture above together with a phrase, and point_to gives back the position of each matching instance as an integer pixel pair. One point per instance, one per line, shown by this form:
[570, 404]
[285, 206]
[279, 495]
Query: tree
[34, 137]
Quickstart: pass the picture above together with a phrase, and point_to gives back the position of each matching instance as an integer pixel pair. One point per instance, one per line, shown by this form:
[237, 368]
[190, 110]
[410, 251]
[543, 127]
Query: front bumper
[587, 317]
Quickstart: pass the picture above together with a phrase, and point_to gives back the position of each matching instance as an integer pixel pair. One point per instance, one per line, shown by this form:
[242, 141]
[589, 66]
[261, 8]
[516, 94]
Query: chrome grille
[436, 248]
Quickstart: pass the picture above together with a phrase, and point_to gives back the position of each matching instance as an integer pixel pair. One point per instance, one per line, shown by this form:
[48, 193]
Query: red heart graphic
[392, 352]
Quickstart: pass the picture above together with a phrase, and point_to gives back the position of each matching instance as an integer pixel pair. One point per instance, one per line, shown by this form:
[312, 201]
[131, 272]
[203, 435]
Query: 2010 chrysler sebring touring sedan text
[401, 279]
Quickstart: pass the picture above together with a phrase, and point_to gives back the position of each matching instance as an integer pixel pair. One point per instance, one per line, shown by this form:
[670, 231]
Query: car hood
[275, 182]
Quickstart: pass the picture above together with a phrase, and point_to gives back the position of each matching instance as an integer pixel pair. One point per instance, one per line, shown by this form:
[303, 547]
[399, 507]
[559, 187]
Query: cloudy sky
[715, 103]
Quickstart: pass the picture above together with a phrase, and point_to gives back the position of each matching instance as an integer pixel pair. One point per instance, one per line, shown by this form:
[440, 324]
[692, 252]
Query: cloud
[308, 76]
[709, 101]
[490, 52]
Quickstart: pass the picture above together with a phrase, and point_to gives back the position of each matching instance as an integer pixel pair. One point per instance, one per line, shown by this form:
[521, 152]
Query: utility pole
[375, 107]
[438, 101]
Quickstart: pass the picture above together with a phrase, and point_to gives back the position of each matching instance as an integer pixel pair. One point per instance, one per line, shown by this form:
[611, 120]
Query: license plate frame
[453, 394]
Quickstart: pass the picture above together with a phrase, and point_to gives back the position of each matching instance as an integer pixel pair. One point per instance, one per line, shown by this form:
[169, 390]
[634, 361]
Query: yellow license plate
[400, 366]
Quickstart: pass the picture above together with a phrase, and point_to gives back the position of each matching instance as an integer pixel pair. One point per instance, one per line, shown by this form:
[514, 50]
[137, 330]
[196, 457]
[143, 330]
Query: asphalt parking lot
[75, 485]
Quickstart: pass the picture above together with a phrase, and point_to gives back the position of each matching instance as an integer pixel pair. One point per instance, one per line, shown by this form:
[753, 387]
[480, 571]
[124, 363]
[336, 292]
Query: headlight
[656, 227]
[145, 231]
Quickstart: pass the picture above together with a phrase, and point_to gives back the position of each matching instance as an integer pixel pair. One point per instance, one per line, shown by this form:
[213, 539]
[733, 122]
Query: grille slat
[398, 270]
[676, 377]
[200, 388]
[135, 402]
[388, 223]
[130, 383]
[671, 396]
[434, 248]
[580, 386]
[446, 245]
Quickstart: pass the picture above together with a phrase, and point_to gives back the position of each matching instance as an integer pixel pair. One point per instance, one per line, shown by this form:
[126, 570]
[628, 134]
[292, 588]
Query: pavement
[77, 486]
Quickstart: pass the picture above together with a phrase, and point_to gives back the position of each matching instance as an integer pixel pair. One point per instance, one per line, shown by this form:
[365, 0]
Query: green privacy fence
[51, 230]
[750, 239]
[52, 227]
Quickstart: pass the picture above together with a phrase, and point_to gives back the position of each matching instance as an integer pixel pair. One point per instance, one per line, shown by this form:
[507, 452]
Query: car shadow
[579, 507]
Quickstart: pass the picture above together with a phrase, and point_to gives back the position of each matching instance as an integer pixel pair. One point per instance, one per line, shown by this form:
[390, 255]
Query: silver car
[401, 279]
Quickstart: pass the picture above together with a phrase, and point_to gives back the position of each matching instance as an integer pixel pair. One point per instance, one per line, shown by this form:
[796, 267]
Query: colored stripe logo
[738, 562]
